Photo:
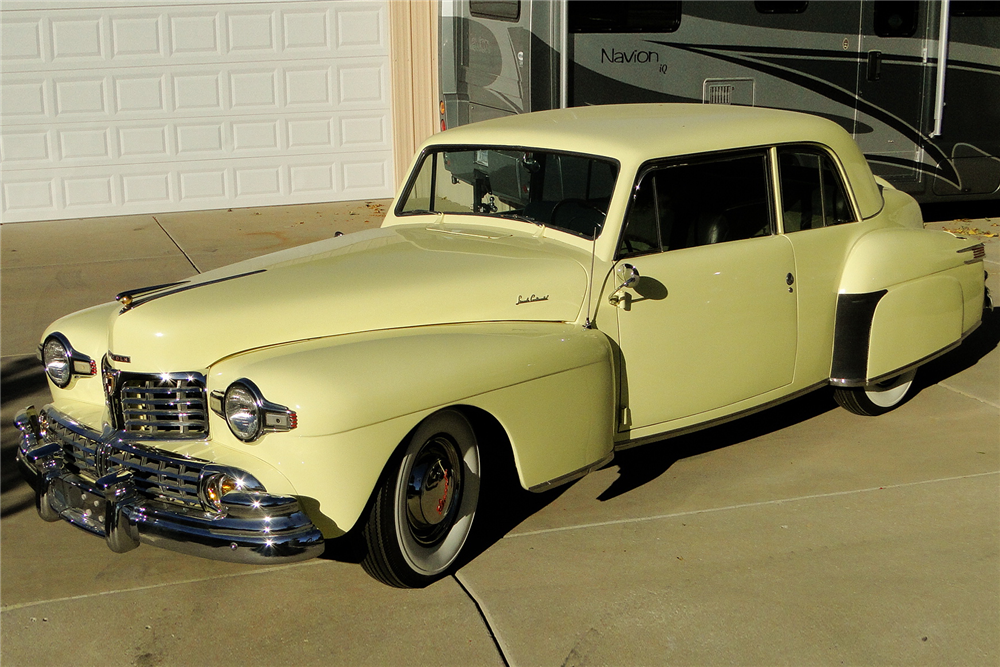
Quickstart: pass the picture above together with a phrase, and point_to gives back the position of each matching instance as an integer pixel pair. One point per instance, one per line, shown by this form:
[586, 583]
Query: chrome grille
[168, 405]
[157, 474]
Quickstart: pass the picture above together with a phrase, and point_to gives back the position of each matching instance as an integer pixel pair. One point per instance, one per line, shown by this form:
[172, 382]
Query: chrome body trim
[130, 303]
[576, 474]
[978, 253]
[637, 442]
[108, 492]
[125, 298]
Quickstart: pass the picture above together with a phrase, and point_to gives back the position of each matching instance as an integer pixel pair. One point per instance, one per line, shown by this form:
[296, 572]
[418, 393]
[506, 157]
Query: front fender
[550, 386]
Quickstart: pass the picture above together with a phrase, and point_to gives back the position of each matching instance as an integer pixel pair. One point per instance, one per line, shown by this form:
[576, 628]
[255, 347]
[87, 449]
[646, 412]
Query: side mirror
[626, 275]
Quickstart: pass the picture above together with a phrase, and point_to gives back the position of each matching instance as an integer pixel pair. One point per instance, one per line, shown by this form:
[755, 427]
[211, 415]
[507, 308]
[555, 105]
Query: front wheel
[875, 399]
[423, 510]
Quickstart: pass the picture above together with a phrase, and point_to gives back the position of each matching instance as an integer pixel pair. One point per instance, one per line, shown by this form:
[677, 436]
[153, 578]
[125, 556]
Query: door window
[698, 203]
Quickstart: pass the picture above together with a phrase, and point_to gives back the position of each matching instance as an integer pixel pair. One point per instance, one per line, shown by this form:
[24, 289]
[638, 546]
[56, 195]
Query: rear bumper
[253, 527]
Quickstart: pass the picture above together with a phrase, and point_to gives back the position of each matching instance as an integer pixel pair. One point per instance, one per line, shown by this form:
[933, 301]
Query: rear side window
[701, 203]
[501, 10]
[812, 195]
[623, 16]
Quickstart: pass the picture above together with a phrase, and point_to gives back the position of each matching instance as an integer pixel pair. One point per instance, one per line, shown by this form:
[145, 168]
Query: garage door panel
[138, 142]
[206, 34]
[185, 185]
[108, 110]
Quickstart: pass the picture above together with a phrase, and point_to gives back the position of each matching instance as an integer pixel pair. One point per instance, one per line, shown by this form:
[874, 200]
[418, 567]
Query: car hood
[379, 279]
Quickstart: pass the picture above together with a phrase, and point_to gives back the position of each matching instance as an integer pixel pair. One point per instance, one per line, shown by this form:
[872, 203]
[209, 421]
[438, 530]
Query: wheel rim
[442, 448]
[433, 490]
[890, 392]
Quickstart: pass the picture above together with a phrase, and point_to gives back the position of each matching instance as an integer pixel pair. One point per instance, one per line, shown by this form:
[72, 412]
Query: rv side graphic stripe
[945, 170]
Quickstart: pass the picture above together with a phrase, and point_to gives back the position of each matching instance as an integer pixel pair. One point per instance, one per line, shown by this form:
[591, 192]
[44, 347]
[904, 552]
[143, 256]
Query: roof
[635, 133]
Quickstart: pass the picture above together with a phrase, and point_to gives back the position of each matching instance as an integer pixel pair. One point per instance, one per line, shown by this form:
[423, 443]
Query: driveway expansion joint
[485, 618]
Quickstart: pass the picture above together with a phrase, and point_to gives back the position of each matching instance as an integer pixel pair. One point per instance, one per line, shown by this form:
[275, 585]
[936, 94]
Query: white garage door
[150, 106]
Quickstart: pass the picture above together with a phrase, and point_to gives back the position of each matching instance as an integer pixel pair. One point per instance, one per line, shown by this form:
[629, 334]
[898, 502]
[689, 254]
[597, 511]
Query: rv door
[895, 88]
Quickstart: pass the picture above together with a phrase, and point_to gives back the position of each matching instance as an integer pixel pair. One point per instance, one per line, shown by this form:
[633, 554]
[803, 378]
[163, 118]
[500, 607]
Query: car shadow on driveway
[23, 384]
[641, 465]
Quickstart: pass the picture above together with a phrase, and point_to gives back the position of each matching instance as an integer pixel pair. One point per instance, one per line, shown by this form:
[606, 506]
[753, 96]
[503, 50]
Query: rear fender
[906, 295]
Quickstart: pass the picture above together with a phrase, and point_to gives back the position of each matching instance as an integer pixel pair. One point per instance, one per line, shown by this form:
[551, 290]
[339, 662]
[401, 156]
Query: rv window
[781, 7]
[812, 195]
[501, 10]
[896, 18]
[971, 8]
[624, 16]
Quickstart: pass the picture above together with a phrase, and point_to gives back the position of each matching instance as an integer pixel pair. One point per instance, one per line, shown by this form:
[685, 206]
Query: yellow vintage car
[562, 285]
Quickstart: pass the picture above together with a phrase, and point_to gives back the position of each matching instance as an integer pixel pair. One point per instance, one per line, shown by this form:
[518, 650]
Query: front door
[712, 319]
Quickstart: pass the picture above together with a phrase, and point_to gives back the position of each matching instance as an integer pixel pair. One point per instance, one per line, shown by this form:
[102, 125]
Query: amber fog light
[218, 486]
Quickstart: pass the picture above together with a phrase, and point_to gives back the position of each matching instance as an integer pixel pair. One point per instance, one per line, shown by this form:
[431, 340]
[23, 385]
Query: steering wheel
[582, 204]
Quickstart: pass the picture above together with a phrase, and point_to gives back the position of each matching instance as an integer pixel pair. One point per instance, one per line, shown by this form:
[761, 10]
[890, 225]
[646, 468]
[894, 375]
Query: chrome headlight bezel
[242, 401]
[62, 362]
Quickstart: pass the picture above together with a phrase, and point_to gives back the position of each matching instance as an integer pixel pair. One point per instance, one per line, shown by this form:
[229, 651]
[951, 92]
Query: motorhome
[917, 84]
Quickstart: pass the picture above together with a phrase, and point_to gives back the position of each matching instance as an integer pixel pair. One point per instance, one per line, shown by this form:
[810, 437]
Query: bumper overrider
[130, 493]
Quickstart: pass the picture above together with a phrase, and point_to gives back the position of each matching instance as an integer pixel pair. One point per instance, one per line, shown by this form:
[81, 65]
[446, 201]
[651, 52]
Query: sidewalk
[803, 535]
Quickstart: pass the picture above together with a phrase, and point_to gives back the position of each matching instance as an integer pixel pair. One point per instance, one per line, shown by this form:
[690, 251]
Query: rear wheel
[424, 507]
[875, 399]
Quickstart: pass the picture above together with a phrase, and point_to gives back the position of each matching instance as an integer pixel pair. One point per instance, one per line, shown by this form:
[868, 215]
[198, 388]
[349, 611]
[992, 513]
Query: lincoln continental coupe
[557, 285]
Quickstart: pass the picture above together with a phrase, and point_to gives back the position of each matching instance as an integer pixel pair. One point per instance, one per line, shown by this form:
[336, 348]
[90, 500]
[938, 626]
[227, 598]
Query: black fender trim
[852, 337]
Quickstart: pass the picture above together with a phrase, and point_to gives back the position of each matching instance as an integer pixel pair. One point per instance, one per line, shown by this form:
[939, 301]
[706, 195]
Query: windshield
[562, 190]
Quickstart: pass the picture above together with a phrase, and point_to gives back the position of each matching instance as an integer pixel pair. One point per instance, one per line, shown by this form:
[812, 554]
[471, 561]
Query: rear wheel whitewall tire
[878, 398]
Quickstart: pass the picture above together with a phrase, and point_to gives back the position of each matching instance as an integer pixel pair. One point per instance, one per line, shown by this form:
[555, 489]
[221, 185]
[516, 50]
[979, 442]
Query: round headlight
[243, 412]
[56, 358]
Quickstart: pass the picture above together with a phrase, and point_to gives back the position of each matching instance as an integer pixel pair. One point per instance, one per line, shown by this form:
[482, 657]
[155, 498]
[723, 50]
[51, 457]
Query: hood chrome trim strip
[186, 287]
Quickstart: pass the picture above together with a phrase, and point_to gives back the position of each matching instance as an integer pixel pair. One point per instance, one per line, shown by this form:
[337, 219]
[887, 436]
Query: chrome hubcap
[433, 490]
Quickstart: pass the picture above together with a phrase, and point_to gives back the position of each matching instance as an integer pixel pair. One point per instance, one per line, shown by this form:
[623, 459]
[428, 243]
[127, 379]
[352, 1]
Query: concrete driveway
[803, 535]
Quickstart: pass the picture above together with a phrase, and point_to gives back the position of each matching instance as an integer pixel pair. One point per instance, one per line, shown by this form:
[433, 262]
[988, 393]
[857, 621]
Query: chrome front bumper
[127, 499]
